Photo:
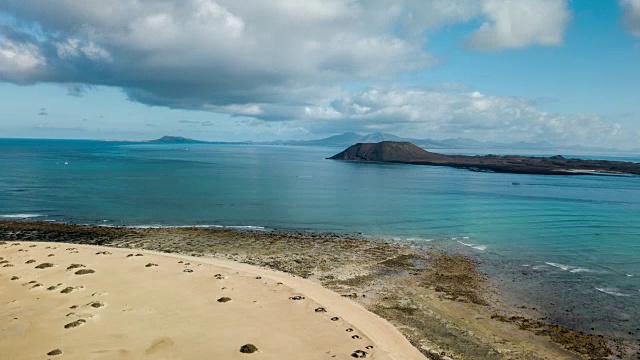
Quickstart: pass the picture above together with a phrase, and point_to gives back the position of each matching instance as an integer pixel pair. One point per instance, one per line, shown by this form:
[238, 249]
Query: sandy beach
[193, 293]
[89, 302]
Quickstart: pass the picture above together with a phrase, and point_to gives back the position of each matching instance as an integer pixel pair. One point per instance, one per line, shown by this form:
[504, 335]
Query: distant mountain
[351, 138]
[176, 140]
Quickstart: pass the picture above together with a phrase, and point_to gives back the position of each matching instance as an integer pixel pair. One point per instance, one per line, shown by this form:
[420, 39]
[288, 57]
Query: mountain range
[350, 138]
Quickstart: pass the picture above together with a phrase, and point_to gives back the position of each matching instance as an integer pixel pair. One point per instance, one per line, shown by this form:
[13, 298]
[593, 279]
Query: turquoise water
[559, 243]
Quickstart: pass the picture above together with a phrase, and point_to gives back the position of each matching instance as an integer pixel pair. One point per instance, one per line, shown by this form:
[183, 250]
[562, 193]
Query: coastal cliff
[408, 153]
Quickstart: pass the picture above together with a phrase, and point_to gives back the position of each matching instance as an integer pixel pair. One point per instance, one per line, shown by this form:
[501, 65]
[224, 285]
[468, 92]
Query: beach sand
[92, 302]
[438, 301]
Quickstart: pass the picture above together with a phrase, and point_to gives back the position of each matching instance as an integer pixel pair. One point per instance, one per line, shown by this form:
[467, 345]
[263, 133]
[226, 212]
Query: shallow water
[556, 242]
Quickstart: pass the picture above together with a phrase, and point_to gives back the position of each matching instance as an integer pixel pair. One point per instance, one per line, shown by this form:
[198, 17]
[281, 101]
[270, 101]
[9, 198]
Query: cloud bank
[287, 60]
[631, 15]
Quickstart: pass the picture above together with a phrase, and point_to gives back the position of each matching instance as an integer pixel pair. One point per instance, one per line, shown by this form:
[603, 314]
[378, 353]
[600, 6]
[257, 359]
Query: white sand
[163, 312]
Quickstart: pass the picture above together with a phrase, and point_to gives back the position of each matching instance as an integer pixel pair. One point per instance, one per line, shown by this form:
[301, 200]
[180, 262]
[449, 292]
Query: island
[408, 153]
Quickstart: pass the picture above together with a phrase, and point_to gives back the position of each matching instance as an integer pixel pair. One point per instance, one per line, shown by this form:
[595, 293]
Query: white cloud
[631, 15]
[19, 62]
[519, 23]
[290, 61]
[425, 112]
[73, 48]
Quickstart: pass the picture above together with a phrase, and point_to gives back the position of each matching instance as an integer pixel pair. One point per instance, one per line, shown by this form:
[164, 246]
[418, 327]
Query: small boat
[66, 162]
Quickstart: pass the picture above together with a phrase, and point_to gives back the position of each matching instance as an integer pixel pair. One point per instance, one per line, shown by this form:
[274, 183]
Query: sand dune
[61, 301]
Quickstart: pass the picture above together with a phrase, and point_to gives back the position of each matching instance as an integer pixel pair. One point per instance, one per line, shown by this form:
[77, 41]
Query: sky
[562, 71]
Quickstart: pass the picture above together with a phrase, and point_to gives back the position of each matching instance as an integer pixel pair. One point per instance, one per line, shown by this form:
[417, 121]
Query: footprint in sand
[84, 272]
[321, 310]
[75, 323]
[89, 316]
[219, 277]
[69, 289]
[75, 266]
[45, 265]
[54, 287]
[30, 261]
[55, 352]
[359, 354]
[29, 283]
[50, 255]
[349, 330]
[187, 270]
[71, 249]
[356, 337]
[151, 265]
[33, 245]
[335, 318]
[8, 265]
[224, 299]
[103, 253]
[13, 278]
[4, 262]
[258, 277]
[369, 347]
[36, 286]
[297, 297]
[96, 304]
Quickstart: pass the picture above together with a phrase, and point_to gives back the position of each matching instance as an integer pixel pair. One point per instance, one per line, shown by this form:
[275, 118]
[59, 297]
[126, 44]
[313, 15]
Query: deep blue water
[573, 241]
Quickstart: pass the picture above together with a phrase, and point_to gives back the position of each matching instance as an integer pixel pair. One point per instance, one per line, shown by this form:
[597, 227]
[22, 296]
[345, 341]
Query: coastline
[440, 302]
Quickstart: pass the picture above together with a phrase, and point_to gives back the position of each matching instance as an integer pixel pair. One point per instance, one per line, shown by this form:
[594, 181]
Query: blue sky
[509, 70]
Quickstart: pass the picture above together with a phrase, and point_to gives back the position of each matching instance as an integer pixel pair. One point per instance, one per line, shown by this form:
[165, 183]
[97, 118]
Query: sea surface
[567, 245]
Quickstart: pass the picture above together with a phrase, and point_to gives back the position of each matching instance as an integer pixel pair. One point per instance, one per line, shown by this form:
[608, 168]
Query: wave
[474, 246]
[417, 239]
[612, 291]
[21, 216]
[569, 268]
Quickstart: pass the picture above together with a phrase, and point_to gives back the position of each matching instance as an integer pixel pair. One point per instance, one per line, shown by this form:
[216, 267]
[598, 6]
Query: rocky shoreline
[440, 301]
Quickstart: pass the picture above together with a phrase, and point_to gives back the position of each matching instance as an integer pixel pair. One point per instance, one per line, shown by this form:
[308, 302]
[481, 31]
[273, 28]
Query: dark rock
[248, 349]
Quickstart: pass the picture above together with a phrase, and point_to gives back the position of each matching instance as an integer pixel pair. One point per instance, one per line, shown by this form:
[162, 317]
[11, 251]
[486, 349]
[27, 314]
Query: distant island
[176, 140]
[408, 153]
[349, 138]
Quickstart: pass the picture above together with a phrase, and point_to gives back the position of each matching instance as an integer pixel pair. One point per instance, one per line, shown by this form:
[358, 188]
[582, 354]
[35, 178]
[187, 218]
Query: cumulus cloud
[519, 23]
[228, 54]
[20, 61]
[631, 15]
[288, 61]
[426, 112]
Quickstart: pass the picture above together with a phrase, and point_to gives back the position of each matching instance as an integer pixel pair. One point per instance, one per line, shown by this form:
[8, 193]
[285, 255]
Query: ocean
[566, 245]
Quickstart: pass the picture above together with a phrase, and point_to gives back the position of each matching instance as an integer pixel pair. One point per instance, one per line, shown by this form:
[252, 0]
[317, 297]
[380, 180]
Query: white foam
[612, 291]
[418, 239]
[629, 275]
[21, 216]
[539, 267]
[474, 246]
[569, 268]
[579, 270]
[559, 266]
